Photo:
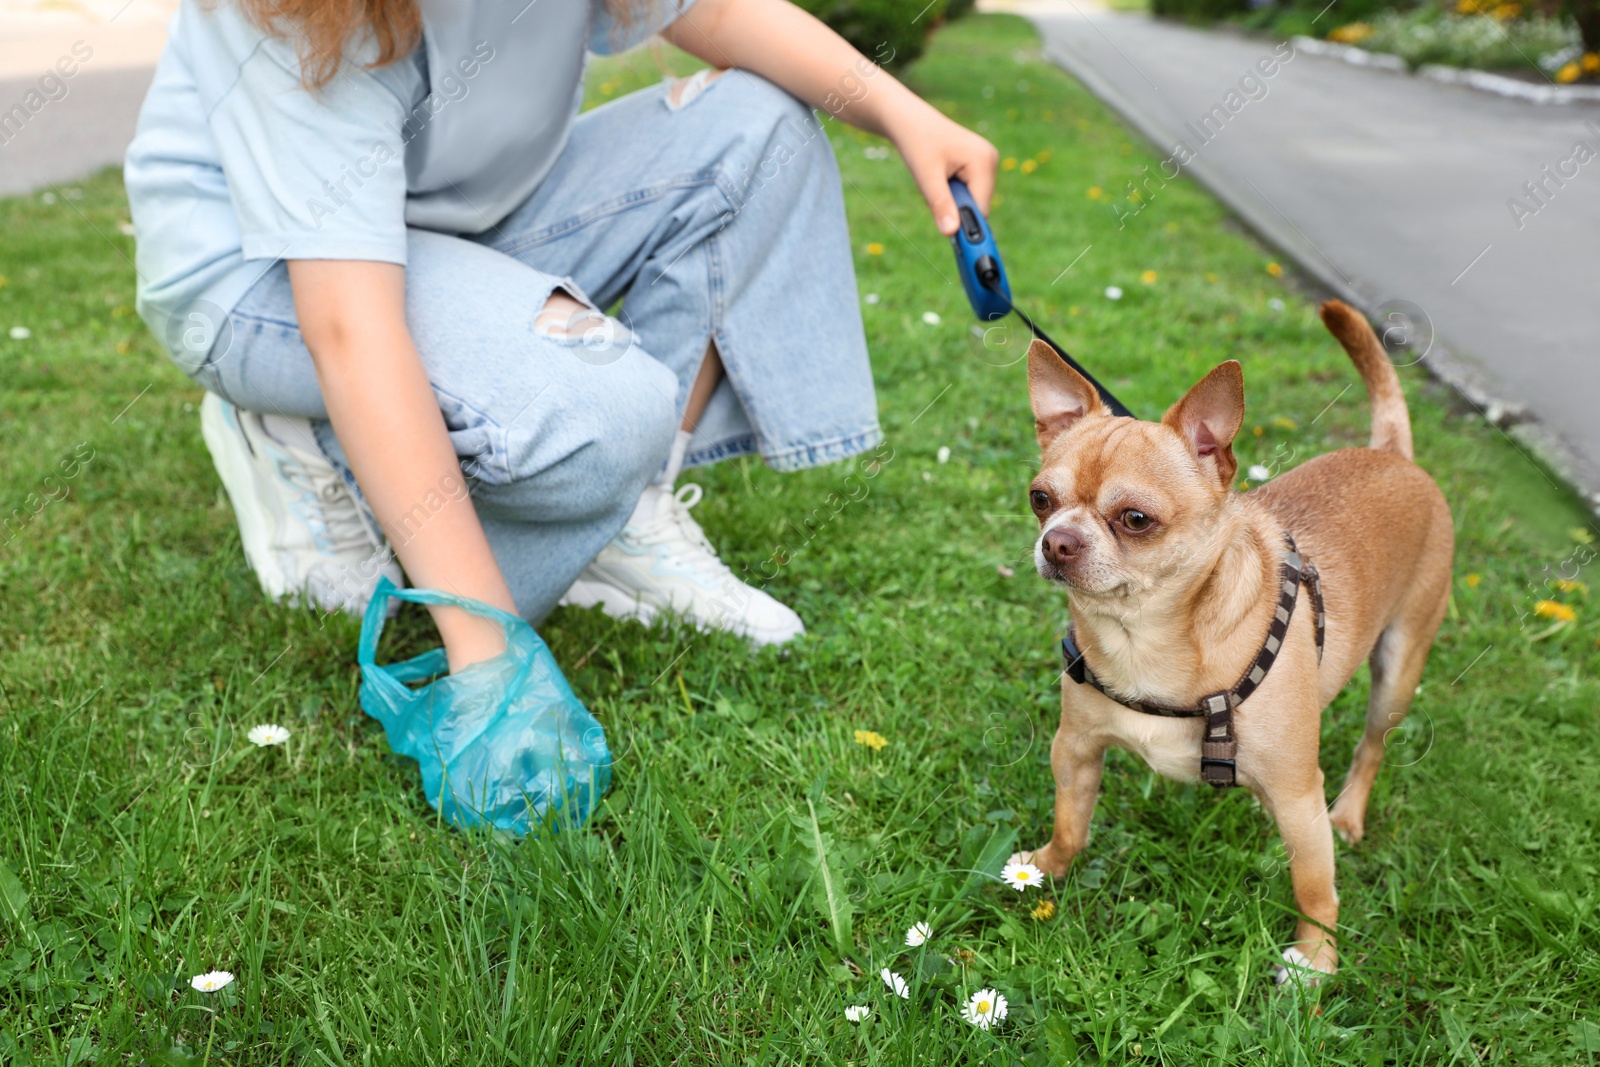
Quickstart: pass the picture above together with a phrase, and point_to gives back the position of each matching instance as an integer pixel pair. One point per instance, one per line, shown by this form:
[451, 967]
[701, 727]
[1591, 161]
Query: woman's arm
[352, 316]
[795, 50]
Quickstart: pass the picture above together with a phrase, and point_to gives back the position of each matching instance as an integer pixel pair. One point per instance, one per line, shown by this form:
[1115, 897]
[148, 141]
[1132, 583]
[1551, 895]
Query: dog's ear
[1061, 396]
[1208, 418]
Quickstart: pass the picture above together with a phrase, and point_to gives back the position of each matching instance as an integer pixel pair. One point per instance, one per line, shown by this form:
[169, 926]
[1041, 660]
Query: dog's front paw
[1300, 969]
[1349, 821]
[1047, 859]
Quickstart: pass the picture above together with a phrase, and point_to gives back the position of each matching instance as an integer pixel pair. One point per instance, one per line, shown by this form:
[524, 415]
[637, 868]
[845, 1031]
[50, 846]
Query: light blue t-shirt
[235, 165]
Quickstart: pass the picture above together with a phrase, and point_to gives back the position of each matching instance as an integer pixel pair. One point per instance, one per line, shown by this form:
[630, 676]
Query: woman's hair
[323, 29]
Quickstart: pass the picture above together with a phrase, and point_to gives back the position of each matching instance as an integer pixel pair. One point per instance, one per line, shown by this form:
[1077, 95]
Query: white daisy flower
[1113, 292]
[856, 1012]
[211, 981]
[125, 228]
[870, 298]
[268, 733]
[931, 318]
[20, 333]
[918, 935]
[896, 984]
[1275, 304]
[984, 1009]
[1258, 473]
[943, 455]
[1020, 876]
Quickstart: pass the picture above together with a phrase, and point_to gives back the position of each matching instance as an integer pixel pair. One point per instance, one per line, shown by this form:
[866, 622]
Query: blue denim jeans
[720, 220]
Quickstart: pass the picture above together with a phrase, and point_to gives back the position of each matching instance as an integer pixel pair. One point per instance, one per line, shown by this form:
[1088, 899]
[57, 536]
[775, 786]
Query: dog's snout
[1062, 544]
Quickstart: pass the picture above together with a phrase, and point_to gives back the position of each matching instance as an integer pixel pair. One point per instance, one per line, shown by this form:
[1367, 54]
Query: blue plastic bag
[504, 742]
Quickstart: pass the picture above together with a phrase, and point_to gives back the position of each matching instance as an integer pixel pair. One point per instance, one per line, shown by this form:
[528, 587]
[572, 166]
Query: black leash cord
[990, 280]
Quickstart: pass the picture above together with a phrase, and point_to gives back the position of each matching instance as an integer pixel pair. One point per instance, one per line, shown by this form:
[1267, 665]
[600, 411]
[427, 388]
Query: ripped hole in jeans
[682, 91]
[593, 336]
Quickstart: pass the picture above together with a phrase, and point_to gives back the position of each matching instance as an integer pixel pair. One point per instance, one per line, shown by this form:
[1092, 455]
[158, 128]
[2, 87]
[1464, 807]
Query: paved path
[83, 122]
[1387, 187]
[74, 136]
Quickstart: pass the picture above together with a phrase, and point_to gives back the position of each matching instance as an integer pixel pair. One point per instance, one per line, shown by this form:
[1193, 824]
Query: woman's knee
[765, 106]
[601, 435]
[786, 143]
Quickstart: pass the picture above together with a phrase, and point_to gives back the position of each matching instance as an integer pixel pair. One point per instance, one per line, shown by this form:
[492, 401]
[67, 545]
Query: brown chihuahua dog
[1181, 588]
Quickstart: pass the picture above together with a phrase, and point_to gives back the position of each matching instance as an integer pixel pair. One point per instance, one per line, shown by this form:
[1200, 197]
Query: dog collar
[1219, 746]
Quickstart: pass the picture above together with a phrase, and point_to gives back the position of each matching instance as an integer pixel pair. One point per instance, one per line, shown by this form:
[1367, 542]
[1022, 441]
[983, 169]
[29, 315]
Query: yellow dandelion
[1351, 33]
[1009, 163]
[1043, 157]
[874, 249]
[1149, 277]
[1506, 12]
[1474, 580]
[1083, 124]
[1046, 909]
[1283, 423]
[1074, 310]
[1029, 166]
[1258, 430]
[2, 281]
[1211, 277]
[123, 348]
[607, 88]
[872, 739]
[996, 200]
[1171, 227]
[1571, 585]
[1275, 269]
[1095, 192]
[1590, 63]
[1554, 609]
[1569, 73]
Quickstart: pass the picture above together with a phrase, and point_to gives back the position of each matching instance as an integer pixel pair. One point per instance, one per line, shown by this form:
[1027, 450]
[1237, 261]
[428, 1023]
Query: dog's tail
[1391, 422]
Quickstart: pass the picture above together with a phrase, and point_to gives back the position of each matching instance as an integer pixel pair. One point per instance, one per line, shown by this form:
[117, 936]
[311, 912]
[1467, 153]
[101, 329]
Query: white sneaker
[304, 533]
[666, 564]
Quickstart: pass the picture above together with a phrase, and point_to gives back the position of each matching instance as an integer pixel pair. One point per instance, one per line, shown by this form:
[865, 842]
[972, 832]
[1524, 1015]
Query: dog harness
[1219, 746]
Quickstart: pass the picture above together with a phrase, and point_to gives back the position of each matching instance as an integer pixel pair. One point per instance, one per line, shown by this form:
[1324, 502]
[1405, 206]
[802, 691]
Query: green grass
[687, 923]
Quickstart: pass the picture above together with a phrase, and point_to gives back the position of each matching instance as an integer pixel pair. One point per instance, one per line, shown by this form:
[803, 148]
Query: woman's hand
[796, 51]
[937, 149]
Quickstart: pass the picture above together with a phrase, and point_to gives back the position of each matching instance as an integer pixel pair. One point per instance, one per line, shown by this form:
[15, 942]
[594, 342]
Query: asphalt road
[1388, 187]
[71, 137]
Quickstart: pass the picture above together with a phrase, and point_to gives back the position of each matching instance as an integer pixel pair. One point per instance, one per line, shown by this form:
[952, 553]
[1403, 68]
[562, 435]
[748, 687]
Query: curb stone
[1482, 80]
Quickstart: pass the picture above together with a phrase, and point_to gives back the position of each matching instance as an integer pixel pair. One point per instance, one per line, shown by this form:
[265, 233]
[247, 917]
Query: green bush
[1313, 18]
[1199, 10]
[891, 32]
[1585, 14]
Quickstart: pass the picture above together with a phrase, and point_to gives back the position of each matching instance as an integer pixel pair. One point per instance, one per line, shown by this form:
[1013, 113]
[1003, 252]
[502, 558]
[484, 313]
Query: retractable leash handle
[983, 276]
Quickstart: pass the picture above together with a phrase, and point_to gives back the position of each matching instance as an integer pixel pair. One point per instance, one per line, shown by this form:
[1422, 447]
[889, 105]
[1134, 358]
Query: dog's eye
[1039, 499]
[1135, 520]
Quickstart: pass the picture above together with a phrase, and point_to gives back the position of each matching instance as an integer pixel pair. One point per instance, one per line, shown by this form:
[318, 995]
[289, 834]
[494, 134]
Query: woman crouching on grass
[380, 235]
